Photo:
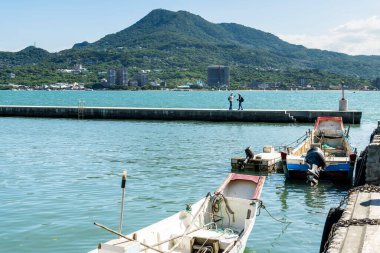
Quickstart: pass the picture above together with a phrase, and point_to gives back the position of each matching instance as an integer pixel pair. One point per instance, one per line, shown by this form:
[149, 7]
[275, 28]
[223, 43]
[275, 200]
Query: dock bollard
[343, 103]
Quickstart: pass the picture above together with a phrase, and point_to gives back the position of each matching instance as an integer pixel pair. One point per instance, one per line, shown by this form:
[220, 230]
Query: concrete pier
[372, 175]
[357, 227]
[275, 116]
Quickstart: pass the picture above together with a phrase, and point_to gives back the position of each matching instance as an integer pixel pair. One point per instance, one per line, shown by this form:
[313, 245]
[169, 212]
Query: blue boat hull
[340, 172]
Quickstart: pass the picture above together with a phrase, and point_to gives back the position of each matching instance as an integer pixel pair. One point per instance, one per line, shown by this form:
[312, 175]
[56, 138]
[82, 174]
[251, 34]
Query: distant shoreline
[191, 90]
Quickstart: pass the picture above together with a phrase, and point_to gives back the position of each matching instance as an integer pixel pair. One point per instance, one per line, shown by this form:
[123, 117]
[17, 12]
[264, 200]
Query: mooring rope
[262, 206]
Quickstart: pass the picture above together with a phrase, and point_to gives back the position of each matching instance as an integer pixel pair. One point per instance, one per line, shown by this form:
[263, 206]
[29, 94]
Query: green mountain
[26, 56]
[166, 30]
[179, 46]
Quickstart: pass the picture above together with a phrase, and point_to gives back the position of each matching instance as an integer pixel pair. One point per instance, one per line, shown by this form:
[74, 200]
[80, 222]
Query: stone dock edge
[270, 116]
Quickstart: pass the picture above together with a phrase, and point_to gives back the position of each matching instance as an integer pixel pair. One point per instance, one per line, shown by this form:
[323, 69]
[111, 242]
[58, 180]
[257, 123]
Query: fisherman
[231, 99]
[240, 100]
[248, 156]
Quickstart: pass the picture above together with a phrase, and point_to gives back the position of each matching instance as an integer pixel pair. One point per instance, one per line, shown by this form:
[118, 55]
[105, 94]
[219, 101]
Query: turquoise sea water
[58, 176]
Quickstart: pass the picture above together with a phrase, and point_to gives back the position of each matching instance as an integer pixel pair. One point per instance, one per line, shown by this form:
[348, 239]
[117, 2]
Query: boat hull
[219, 222]
[339, 173]
[335, 154]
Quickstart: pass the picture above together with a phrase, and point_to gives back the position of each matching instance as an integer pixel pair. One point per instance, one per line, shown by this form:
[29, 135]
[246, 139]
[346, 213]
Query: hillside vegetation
[177, 47]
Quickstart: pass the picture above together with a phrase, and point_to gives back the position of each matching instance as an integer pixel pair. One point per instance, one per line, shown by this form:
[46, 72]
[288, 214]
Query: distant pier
[85, 112]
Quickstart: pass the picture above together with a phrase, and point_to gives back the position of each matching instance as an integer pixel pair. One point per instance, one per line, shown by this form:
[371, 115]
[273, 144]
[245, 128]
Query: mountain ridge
[170, 41]
[186, 29]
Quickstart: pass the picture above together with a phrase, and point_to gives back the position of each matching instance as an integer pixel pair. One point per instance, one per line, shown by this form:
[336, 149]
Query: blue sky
[349, 26]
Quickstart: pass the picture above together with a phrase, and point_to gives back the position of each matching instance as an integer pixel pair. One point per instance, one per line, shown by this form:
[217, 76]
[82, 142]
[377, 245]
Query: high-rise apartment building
[142, 78]
[111, 77]
[117, 77]
[218, 75]
[122, 76]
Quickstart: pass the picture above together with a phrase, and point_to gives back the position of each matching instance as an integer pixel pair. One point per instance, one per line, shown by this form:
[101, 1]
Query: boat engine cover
[315, 156]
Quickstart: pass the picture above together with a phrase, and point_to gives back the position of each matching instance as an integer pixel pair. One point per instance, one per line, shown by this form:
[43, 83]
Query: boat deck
[223, 237]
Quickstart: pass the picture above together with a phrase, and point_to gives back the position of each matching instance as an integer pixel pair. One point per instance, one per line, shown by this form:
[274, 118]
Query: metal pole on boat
[123, 181]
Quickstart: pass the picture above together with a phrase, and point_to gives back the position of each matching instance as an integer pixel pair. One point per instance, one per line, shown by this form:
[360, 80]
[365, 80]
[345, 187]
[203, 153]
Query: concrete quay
[356, 228]
[85, 112]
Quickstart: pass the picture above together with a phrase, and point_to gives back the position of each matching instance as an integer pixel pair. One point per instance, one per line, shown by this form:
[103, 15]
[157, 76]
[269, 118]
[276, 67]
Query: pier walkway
[356, 228]
[84, 112]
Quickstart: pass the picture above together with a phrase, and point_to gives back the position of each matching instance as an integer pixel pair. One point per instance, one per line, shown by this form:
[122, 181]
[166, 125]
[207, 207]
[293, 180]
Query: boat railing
[302, 147]
[297, 143]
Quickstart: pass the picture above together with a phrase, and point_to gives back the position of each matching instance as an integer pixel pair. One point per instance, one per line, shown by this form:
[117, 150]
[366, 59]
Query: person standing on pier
[240, 100]
[230, 99]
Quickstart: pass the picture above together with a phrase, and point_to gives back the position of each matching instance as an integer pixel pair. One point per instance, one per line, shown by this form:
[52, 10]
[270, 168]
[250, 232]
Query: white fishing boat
[324, 154]
[219, 222]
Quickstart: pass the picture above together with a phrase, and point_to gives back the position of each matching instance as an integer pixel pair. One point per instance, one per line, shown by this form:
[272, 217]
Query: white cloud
[355, 38]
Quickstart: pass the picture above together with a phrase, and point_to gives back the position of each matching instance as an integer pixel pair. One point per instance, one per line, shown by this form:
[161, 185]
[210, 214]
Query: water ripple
[59, 176]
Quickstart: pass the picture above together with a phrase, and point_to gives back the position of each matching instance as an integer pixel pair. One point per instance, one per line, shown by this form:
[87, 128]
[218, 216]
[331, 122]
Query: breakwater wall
[275, 116]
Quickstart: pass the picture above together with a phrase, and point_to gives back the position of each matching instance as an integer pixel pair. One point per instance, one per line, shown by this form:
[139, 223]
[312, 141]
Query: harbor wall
[275, 116]
[372, 174]
[356, 227]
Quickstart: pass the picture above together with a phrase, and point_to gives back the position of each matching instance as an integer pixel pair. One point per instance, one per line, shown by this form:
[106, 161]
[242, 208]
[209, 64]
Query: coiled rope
[216, 204]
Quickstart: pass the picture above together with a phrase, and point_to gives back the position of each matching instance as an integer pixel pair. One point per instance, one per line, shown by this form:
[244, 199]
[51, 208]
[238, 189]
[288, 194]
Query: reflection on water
[283, 193]
[315, 197]
[296, 202]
